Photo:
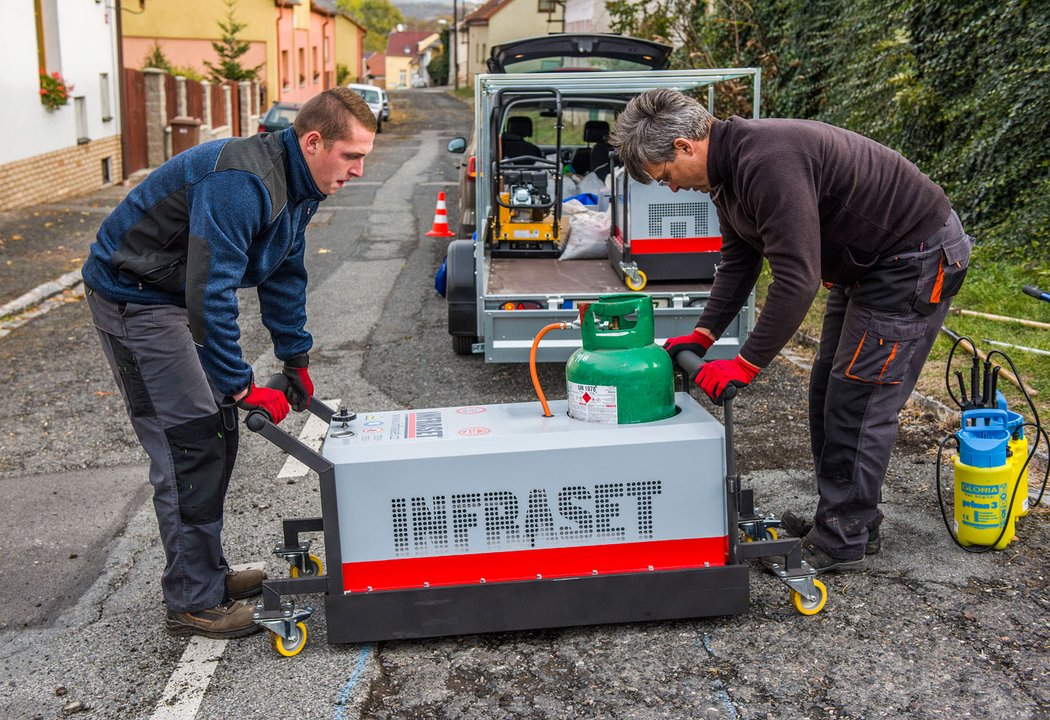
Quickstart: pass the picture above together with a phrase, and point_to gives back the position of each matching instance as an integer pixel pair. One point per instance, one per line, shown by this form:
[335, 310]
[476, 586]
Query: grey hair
[646, 129]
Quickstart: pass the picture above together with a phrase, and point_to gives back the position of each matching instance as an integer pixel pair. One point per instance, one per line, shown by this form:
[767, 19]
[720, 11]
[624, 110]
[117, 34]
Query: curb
[40, 293]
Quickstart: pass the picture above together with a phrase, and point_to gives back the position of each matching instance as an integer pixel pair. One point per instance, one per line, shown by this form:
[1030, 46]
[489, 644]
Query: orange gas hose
[532, 363]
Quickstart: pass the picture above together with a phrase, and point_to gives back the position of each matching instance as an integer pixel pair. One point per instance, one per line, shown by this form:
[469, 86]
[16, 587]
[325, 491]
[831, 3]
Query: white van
[374, 97]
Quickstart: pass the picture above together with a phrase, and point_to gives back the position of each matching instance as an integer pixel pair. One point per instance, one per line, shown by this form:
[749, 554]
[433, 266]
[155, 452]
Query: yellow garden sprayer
[993, 453]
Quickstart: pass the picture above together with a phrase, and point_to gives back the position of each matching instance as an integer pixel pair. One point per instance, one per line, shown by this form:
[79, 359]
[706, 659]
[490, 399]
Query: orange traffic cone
[440, 228]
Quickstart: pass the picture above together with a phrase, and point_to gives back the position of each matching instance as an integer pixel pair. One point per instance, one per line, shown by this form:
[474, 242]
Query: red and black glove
[300, 386]
[714, 377]
[270, 401]
[695, 342]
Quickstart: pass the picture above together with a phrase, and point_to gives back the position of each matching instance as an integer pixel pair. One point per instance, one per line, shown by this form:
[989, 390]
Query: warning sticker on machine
[525, 234]
[593, 403]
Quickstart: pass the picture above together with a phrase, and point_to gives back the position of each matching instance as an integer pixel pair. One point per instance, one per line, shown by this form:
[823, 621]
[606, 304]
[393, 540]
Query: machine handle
[259, 421]
[691, 363]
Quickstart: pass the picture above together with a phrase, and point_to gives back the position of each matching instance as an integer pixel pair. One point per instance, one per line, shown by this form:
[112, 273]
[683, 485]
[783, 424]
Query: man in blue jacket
[162, 279]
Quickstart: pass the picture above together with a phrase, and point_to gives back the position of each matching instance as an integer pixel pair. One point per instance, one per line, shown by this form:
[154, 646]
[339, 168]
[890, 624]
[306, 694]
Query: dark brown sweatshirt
[820, 203]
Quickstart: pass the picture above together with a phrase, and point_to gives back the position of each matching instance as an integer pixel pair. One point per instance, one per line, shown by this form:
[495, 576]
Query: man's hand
[270, 401]
[715, 376]
[300, 386]
[698, 342]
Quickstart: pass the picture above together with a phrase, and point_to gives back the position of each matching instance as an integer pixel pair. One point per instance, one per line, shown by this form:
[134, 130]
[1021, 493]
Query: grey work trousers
[874, 341]
[191, 440]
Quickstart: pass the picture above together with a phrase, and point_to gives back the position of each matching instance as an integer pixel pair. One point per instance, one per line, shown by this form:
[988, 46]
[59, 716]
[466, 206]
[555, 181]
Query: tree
[378, 17]
[156, 58]
[438, 67]
[230, 50]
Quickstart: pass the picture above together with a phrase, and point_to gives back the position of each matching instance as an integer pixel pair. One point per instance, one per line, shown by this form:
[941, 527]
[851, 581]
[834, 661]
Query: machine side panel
[566, 500]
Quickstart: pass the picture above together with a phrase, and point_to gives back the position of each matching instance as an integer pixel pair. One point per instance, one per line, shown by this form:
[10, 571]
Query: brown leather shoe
[242, 584]
[229, 620]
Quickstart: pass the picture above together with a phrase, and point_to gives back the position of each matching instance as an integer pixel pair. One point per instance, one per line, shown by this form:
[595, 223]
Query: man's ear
[684, 145]
[311, 142]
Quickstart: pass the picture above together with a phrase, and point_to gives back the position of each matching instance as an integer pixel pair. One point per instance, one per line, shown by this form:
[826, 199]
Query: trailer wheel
[314, 568]
[463, 344]
[292, 646]
[810, 607]
[638, 284]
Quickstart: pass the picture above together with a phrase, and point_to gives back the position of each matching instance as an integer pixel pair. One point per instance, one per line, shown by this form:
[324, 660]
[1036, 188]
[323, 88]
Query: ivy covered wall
[960, 88]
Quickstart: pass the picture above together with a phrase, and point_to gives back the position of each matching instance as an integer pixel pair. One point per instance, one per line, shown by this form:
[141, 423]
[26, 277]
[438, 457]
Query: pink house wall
[296, 56]
[187, 52]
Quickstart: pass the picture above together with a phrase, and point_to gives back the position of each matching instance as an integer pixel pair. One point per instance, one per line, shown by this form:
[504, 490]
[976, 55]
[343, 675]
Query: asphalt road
[928, 632]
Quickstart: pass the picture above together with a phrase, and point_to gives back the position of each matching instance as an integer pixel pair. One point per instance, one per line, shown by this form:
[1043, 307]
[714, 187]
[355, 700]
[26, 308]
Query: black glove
[300, 386]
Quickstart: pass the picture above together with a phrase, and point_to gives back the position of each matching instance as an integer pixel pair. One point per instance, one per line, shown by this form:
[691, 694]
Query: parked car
[386, 104]
[374, 97]
[279, 116]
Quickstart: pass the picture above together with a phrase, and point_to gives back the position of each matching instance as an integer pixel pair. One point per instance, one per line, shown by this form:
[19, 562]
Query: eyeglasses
[662, 178]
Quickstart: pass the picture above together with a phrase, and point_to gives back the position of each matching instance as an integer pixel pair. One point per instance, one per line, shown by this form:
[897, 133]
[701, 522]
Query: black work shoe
[242, 584]
[822, 563]
[797, 527]
[222, 622]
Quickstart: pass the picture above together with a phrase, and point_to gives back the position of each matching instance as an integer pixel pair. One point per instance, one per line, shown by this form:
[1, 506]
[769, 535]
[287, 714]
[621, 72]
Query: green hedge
[960, 88]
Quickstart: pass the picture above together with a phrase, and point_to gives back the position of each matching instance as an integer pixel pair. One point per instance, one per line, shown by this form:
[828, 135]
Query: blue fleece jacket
[224, 215]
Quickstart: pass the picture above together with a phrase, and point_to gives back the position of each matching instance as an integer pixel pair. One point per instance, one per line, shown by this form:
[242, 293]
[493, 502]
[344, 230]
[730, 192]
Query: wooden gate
[134, 145]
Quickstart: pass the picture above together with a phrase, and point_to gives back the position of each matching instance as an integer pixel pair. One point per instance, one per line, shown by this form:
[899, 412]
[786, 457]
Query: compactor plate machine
[619, 504]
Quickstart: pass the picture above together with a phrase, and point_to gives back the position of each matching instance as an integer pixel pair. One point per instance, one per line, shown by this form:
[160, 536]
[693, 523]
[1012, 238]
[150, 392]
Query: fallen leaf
[323, 251]
[49, 224]
[102, 393]
[16, 236]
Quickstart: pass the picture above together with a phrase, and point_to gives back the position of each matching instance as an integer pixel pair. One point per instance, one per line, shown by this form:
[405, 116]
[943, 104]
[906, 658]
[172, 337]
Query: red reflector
[472, 167]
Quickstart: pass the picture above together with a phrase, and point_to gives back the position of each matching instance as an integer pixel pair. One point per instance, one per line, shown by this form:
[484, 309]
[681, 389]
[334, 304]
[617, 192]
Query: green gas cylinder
[620, 376]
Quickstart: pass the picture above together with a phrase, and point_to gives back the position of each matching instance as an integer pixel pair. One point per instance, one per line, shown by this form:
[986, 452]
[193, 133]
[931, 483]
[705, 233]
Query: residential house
[74, 148]
[296, 44]
[498, 21]
[375, 69]
[586, 16]
[407, 55]
[349, 46]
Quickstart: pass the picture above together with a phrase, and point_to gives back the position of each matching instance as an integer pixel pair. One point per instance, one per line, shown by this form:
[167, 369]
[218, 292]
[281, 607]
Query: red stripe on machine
[548, 563]
[411, 430]
[662, 246]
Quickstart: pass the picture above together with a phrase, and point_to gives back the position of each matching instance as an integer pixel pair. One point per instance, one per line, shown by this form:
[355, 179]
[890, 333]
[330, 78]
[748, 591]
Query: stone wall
[75, 170]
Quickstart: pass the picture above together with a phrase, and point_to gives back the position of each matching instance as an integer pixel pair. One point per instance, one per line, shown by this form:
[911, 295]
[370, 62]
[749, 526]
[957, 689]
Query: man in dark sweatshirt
[824, 206]
[162, 279]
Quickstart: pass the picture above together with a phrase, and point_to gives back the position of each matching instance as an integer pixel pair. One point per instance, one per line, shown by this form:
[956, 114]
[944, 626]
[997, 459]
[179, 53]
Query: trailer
[500, 293]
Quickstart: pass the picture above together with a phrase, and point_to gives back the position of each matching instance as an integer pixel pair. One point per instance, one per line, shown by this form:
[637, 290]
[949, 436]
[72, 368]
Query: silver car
[374, 97]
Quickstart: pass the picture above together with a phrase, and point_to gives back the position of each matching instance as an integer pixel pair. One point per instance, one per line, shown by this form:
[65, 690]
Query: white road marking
[185, 690]
[312, 434]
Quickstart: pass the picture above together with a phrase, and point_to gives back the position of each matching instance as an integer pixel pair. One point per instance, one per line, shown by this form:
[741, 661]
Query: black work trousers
[875, 339]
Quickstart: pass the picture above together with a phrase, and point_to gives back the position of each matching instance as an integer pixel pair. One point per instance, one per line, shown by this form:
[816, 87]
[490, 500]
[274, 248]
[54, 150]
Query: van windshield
[370, 96]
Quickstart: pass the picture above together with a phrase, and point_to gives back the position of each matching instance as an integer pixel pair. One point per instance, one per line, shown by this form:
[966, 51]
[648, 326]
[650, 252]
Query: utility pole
[452, 54]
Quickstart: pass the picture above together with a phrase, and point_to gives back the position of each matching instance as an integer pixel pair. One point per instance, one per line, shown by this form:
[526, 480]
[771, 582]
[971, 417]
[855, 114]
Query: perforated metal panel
[657, 212]
[678, 220]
